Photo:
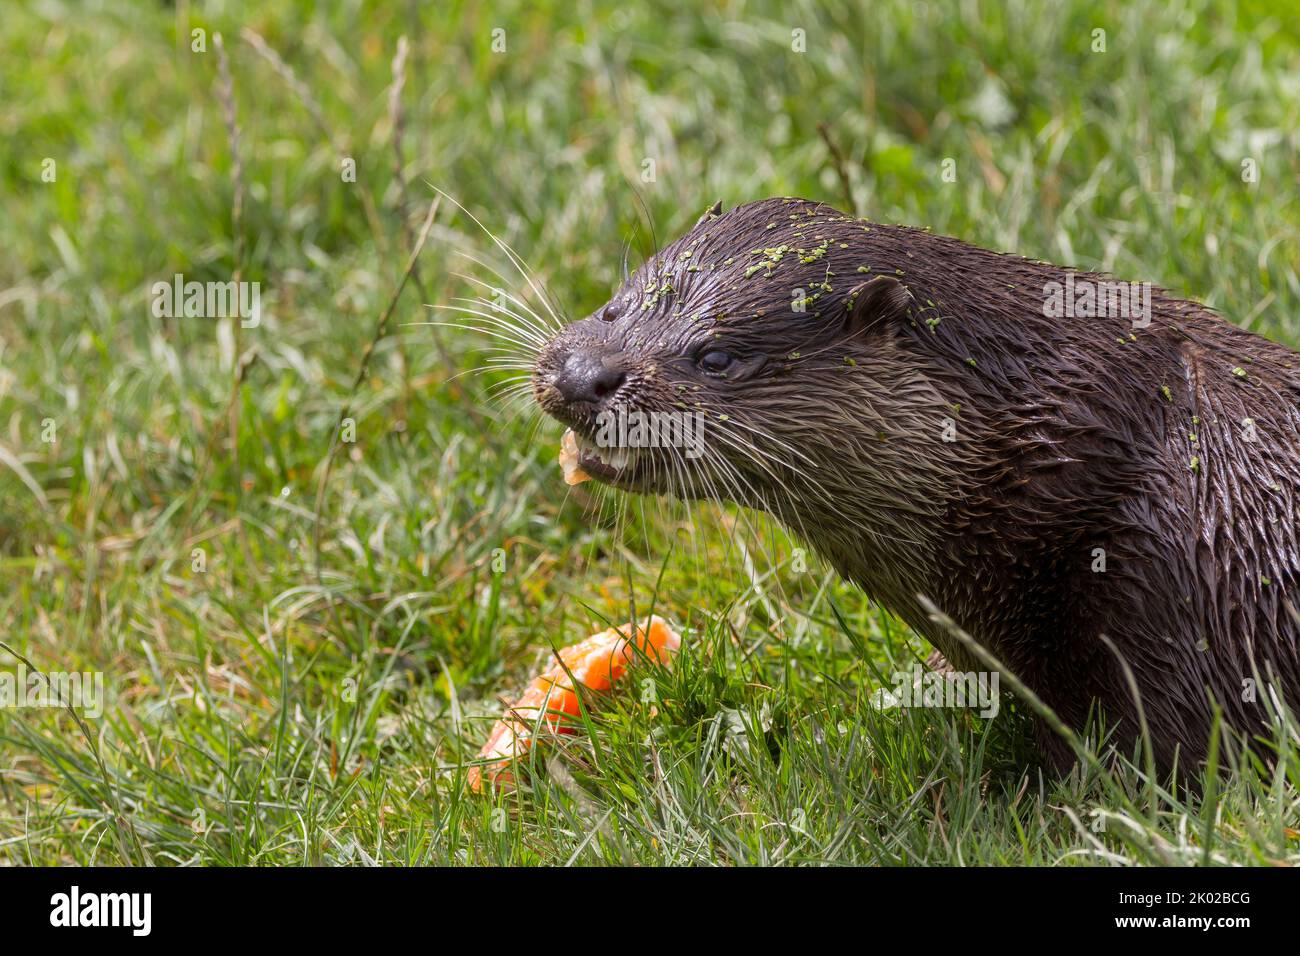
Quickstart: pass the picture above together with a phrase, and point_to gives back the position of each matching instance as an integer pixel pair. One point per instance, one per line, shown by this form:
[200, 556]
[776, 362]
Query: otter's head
[755, 360]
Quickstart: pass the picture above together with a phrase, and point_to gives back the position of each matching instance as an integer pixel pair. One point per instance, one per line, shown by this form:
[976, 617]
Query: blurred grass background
[261, 713]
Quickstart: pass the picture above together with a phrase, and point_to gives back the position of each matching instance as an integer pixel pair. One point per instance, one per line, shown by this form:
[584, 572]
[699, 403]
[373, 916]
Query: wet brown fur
[1072, 435]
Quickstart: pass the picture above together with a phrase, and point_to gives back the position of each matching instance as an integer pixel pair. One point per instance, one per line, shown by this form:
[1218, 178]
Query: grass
[274, 703]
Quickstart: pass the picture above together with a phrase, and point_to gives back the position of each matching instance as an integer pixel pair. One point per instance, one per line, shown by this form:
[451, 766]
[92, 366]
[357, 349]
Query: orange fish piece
[596, 663]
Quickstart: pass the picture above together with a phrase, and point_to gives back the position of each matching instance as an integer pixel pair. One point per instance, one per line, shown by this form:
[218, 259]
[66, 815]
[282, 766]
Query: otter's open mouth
[615, 466]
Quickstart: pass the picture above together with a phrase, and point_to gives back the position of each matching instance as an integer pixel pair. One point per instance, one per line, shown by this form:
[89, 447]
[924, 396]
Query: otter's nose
[585, 377]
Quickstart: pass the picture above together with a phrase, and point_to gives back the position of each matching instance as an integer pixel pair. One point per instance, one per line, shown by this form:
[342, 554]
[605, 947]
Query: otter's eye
[715, 362]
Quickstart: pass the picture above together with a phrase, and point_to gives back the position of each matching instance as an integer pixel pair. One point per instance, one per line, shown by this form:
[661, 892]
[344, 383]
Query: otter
[1107, 503]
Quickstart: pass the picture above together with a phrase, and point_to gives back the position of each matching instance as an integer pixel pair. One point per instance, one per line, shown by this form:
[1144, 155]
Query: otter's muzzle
[588, 378]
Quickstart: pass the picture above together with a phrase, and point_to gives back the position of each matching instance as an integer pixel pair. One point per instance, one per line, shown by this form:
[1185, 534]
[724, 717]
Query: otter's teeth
[616, 457]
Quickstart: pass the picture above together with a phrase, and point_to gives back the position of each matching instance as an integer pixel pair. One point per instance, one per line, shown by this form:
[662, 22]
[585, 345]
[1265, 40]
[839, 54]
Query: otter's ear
[713, 212]
[882, 299]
